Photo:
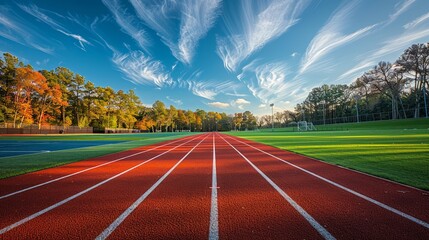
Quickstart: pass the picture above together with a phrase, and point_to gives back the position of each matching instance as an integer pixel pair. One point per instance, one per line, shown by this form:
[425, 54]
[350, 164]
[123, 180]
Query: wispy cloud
[139, 68]
[267, 81]
[361, 66]
[142, 69]
[38, 13]
[417, 21]
[208, 89]
[136, 65]
[400, 8]
[129, 25]
[218, 104]
[79, 38]
[394, 46]
[196, 19]
[235, 94]
[43, 62]
[176, 101]
[16, 30]
[257, 24]
[331, 37]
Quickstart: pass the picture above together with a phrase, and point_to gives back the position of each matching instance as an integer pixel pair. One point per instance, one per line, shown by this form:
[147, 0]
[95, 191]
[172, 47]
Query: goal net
[305, 126]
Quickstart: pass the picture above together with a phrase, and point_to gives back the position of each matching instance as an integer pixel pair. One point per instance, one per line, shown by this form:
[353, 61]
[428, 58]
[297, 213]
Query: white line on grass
[84, 170]
[380, 204]
[22, 221]
[214, 227]
[133, 206]
[319, 228]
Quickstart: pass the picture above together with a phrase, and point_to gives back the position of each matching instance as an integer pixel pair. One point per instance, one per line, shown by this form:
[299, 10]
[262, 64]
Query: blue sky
[226, 56]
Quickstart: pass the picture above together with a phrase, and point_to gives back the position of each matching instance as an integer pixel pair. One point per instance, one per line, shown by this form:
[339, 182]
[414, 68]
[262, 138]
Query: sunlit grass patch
[396, 154]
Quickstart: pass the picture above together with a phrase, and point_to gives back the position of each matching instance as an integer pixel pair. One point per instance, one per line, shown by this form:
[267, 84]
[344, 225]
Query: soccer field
[396, 150]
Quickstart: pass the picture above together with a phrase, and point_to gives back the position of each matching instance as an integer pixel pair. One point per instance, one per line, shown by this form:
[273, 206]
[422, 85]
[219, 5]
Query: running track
[208, 186]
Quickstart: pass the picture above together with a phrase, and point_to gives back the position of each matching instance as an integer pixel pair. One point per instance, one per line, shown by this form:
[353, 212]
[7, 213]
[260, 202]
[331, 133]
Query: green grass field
[16, 165]
[397, 150]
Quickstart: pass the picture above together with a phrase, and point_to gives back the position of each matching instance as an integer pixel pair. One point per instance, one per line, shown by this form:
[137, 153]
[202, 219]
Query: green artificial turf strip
[16, 165]
[396, 154]
[402, 124]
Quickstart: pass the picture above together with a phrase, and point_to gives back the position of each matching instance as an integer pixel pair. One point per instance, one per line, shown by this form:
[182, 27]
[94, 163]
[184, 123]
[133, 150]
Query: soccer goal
[305, 126]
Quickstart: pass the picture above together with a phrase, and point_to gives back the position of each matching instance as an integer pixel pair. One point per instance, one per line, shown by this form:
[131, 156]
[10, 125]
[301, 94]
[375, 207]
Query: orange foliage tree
[50, 97]
[28, 82]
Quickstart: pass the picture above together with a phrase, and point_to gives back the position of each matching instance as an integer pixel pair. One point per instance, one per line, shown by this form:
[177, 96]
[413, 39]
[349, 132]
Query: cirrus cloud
[258, 24]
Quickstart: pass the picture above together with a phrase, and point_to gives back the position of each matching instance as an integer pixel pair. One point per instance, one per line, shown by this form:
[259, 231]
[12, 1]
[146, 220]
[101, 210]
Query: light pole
[272, 117]
[357, 97]
[424, 99]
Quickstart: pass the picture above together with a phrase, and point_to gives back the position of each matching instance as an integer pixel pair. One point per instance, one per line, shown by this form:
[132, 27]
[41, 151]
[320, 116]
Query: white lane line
[133, 206]
[319, 228]
[214, 227]
[22, 221]
[380, 204]
[84, 170]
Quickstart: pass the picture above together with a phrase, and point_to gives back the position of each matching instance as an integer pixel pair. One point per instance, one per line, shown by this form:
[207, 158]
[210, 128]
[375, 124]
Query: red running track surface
[164, 191]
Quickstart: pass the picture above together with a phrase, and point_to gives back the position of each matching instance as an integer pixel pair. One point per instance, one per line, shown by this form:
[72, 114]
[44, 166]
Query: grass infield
[16, 165]
[397, 150]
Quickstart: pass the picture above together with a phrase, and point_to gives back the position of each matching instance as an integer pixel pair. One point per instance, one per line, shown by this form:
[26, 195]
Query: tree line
[398, 89]
[63, 98]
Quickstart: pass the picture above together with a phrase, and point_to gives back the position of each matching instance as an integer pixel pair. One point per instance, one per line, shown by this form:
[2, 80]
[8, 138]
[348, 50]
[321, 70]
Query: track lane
[179, 208]
[310, 219]
[249, 207]
[386, 192]
[68, 217]
[31, 202]
[344, 214]
[22, 183]
[214, 210]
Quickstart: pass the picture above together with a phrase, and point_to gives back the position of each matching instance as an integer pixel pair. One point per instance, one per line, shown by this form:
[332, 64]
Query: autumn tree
[49, 98]
[238, 120]
[28, 83]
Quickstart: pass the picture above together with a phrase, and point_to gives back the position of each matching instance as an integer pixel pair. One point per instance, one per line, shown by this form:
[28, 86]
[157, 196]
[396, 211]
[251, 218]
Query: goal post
[305, 126]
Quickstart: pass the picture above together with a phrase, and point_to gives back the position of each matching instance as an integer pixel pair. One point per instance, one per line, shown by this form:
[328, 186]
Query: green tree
[77, 89]
[160, 114]
[7, 84]
[64, 78]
